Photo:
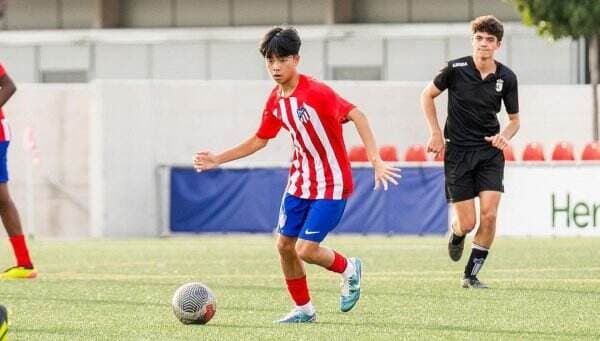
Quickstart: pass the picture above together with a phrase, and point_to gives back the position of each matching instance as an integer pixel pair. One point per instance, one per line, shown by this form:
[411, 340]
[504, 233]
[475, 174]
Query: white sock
[308, 308]
[479, 247]
[349, 271]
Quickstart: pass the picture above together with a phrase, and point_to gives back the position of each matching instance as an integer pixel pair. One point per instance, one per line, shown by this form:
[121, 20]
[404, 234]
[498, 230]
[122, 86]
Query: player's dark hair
[488, 24]
[280, 42]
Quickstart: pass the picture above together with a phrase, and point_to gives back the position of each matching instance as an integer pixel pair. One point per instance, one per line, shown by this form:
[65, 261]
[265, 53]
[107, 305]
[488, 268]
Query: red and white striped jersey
[313, 114]
[4, 128]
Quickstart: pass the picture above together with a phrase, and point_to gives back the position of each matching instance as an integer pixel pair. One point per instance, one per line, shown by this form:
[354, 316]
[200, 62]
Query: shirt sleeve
[443, 78]
[334, 104]
[511, 95]
[342, 108]
[270, 124]
[2, 70]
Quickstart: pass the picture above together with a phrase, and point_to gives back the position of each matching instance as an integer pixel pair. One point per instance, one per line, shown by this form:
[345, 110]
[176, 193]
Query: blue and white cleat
[351, 287]
[298, 316]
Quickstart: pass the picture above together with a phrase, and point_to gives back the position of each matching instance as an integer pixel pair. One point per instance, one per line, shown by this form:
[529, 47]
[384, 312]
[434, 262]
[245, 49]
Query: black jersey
[473, 103]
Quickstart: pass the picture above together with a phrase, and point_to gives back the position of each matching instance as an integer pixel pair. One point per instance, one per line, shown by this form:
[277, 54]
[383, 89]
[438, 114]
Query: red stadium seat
[358, 154]
[533, 152]
[415, 153]
[563, 151]
[591, 152]
[509, 154]
[388, 152]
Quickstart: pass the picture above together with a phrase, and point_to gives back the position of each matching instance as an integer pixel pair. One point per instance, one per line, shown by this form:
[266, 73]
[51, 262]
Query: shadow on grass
[464, 329]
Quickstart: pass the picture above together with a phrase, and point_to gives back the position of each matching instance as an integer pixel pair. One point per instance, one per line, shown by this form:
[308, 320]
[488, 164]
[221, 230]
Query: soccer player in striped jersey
[320, 178]
[8, 211]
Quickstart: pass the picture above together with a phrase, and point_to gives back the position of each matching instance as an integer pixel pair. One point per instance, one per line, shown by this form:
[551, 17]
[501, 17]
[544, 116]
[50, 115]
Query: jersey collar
[491, 76]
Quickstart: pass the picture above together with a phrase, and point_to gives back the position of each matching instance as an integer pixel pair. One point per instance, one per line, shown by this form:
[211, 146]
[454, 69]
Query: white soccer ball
[194, 303]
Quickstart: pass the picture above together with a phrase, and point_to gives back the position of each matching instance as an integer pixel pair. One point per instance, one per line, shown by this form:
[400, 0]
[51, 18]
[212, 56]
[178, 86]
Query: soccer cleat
[297, 316]
[474, 283]
[351, 287]
[455, 251]
[19, 272]
[3, 323]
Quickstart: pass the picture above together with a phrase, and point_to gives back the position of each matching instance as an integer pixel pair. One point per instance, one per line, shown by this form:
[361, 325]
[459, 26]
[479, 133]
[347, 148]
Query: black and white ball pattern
[194, 303]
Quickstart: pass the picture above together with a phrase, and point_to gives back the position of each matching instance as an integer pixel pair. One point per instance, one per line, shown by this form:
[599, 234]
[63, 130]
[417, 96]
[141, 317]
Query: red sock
[339, 263]
[298, 289]
[20, 250]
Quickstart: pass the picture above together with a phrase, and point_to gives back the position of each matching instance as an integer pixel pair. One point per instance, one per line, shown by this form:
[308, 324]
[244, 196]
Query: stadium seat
[591, 152]
[533, 152]
[509, 154]
[415, 153]
[388, 152]
[358, 154]
[563, 151]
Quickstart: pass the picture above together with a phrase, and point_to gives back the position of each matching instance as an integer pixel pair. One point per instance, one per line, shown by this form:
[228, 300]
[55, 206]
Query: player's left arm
[500, 141]
[384, 173]
[7, 89]
[511, 102]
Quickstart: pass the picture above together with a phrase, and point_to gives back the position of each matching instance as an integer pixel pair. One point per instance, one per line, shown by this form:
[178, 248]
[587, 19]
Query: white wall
[102, 141]
[58, 115]
[137, 125]
[20, 61]
[122, 61]
[407, 52]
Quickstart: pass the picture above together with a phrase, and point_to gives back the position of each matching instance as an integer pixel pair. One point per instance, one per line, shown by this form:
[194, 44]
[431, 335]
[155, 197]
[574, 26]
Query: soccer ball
[194, 303]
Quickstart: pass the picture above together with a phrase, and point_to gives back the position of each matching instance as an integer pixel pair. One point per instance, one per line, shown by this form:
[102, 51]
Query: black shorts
[470, 172]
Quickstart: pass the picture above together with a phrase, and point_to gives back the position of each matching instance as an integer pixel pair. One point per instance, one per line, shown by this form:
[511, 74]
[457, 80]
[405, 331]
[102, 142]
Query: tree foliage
[570, 18]
[561, 18]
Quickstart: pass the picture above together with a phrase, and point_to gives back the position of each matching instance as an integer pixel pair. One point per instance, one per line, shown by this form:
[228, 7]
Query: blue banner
[248, 200]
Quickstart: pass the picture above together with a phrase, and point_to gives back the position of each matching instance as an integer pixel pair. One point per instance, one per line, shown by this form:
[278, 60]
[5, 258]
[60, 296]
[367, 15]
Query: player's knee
[285, 248]
[5, 204]
[467, 225]
[488, 217]
[305, 253]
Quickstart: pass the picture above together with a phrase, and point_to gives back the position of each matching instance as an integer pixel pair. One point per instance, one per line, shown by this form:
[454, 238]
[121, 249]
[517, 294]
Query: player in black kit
[472, 142]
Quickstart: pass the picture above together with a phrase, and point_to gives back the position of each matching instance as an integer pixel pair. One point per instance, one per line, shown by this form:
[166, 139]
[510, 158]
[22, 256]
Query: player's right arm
[436, 139]
[440, 83]
[205, 160]
[269, 127]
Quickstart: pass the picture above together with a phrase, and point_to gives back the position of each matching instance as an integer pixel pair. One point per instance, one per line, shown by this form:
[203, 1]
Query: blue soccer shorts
[309, 219]
[3, 162]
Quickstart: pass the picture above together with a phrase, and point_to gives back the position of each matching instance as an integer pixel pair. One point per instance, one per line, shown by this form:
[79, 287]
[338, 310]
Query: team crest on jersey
[499, 85]
[303, 115]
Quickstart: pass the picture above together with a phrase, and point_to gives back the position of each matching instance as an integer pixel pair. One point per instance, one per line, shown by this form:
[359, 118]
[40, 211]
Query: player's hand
[498, 141]
[205, 160]
[435, 144]
[385, 174]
